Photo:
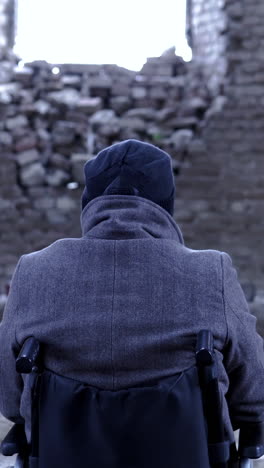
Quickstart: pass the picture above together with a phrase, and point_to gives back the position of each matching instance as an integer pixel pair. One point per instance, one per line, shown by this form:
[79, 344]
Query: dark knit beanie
[132, 168]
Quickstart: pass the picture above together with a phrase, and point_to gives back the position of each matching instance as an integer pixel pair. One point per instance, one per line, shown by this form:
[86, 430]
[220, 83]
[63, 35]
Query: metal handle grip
[204, 348]
[27, 358]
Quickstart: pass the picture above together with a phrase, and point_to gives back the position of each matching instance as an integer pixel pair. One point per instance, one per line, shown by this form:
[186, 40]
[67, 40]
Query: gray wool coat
[121, 306]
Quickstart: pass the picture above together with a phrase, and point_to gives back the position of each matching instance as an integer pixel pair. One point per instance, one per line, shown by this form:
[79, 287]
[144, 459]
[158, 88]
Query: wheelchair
[174, 423]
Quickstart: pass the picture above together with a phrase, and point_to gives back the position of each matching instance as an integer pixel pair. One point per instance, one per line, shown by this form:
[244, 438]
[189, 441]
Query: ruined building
[208, 114]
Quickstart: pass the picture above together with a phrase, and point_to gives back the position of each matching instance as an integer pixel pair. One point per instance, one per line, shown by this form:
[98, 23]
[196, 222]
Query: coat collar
[127, 217]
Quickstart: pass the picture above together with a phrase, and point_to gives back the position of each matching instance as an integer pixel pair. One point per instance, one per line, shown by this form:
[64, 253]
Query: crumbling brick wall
[233, 133]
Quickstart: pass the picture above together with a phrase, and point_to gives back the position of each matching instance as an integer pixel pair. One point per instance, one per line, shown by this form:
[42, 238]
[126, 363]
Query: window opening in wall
[124, 32]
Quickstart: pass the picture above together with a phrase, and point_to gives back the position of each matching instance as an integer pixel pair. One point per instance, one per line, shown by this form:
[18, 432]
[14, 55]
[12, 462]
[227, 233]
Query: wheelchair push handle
[26, 361]
[204, 348]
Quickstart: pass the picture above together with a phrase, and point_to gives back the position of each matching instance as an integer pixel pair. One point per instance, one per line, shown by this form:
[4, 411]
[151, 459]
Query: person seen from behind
[121, 305]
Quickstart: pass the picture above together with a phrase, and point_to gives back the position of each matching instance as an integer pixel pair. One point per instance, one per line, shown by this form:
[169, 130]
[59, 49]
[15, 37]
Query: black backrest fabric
[159, 426]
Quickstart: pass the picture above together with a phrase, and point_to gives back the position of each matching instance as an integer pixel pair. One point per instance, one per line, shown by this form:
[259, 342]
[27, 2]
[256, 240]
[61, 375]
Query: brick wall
[7, 25]
[233, 156]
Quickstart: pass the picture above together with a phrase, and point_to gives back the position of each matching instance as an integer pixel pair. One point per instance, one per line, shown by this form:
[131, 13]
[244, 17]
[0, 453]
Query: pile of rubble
[55, 117]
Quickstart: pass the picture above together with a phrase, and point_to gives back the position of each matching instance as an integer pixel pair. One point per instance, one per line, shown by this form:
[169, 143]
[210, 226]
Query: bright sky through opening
[124, 32]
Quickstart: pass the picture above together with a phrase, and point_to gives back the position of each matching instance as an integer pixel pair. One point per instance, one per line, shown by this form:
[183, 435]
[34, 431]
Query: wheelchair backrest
[155, 426]
[176, 420]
